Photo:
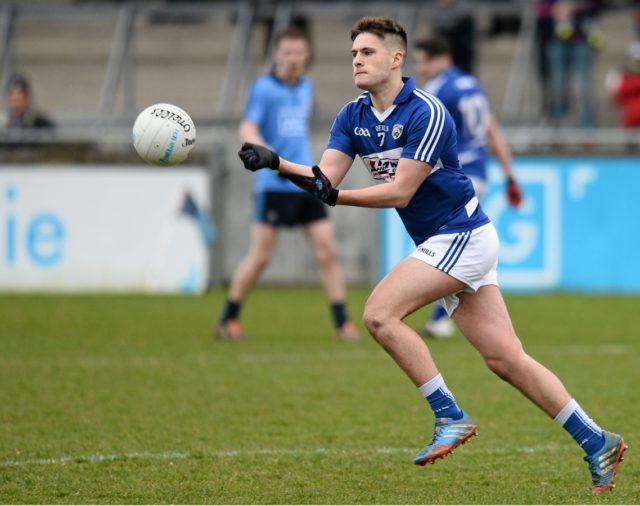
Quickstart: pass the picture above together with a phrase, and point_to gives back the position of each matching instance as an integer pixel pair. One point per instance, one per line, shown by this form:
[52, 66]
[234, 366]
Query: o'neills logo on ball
[172, 145]
[167, 114]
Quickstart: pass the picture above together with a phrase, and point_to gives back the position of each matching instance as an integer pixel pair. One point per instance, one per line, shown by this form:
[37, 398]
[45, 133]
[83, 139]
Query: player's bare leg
[322, 239]
[262, 243]
[484, 320]
[410, 285]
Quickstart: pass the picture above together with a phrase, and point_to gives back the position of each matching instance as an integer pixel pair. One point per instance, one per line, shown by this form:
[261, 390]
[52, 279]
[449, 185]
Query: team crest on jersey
[396, 132]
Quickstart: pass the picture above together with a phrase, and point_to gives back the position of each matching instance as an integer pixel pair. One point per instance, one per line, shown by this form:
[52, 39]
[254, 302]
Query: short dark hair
[381, 27]
[291, 32]
[433, 46]
[18, 82]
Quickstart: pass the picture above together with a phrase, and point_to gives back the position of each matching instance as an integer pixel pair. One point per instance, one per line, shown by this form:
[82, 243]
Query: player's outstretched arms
[319, 185]
[410, 174]
[255, 157]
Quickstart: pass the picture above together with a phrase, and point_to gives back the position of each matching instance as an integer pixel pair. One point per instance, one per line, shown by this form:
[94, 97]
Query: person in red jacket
[624, 87]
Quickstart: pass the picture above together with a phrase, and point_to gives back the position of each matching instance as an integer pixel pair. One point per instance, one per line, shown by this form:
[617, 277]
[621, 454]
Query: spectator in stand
[570, 53]
[623, 85]
[20, 110]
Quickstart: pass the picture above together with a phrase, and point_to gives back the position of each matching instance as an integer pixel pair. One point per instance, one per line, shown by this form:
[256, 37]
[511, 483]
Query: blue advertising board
[577, 229]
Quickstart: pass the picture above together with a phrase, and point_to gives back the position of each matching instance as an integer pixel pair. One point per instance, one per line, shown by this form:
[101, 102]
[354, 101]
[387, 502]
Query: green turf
[127, 399]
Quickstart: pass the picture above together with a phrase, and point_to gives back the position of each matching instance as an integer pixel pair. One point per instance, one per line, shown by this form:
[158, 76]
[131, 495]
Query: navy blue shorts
[288, 209]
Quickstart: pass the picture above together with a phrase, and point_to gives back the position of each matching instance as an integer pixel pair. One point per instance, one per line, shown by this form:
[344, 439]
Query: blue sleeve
[257, 100]
[339, 137]
[428, 132]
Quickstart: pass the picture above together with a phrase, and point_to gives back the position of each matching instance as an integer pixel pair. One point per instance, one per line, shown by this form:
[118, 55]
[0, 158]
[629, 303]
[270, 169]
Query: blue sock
[440, 398]
[583, 429]
[438, 312]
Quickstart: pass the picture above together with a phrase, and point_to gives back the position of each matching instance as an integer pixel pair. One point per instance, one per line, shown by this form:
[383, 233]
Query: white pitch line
[97, 458]
[605, 349]
[135, 361]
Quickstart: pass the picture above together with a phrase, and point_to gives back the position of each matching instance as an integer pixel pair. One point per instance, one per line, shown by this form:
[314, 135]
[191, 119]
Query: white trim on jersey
[389, 153]
[435, 84]
[360, 97]
[434, 128]
[471, 206]
[381, 116]
[439, 165]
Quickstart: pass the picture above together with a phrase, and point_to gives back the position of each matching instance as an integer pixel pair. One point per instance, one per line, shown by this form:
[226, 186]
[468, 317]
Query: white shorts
[471, 257]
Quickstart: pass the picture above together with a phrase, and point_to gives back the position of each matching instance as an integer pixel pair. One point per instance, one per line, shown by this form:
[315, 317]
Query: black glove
[318, 186]
[256, 157]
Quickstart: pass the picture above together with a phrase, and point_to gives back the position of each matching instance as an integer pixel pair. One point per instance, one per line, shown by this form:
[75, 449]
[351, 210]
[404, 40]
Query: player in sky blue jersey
[407, 140]
[477, 131]
[277, 115]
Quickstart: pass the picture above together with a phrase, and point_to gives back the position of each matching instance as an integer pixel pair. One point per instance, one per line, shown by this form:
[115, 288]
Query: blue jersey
[282, 113]
[467, 103]
[418, 127]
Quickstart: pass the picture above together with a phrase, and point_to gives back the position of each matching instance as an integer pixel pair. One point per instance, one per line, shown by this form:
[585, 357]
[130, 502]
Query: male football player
[477, 131]
[407, 140]
[277, 115]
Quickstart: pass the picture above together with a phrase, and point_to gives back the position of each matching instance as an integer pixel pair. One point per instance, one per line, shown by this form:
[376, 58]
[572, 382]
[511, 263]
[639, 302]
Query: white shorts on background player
[470, 257]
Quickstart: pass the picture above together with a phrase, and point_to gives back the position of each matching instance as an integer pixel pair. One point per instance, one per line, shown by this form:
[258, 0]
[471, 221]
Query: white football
[163, 134]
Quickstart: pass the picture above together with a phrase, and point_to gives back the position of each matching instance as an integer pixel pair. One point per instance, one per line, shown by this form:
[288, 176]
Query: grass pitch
[128, 399]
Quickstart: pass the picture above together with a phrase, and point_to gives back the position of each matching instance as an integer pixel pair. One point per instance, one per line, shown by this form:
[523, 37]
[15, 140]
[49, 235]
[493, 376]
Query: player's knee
[326, 256]
[260, 259]
[378, 322]
[506, 364]
[372, 319]
[498, 366]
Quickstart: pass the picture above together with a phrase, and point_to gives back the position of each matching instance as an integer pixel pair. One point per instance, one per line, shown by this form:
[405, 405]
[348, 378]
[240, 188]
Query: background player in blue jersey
[477, 131]
[407, 140]
[277, 115]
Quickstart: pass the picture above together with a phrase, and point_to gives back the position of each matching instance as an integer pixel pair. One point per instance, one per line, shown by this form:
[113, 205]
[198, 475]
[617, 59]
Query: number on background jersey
[475, 113]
